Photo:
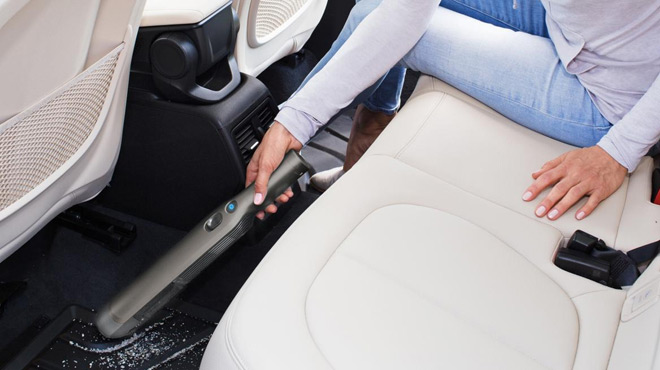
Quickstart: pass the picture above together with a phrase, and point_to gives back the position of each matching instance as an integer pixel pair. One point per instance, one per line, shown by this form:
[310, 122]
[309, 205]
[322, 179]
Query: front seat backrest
[272, 29]
[64, 69]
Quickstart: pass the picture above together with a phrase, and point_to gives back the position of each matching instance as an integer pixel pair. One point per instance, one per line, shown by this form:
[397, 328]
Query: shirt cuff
[609, 146]
[300, 124]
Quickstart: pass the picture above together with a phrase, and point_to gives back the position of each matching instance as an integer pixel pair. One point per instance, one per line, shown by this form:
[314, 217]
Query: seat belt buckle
[587, 256]
[582, 242]
[585, 265]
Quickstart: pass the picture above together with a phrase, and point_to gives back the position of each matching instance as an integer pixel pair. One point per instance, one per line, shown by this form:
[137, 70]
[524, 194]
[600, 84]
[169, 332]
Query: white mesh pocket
[272, 14]
[38, 142]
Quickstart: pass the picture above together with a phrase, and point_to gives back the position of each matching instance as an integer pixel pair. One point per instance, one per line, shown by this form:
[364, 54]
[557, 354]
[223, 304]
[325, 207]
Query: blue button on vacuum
[231, 207]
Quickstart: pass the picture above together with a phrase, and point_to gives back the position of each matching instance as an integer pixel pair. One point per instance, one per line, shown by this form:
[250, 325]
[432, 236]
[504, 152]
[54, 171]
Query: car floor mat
[176, 339]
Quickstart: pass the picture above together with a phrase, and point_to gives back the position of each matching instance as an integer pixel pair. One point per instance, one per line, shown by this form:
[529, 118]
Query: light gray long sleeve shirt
[613, 47]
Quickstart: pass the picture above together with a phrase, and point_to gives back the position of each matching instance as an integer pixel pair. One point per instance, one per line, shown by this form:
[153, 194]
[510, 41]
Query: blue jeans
[497, 54]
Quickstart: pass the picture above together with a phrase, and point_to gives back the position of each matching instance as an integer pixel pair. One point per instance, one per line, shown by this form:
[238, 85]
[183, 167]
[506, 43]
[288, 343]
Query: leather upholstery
[174, 12]
[425, 256]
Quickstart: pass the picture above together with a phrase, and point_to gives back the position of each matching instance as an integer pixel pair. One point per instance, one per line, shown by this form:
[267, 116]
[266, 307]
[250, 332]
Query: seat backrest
[273, 29]
[64, 73]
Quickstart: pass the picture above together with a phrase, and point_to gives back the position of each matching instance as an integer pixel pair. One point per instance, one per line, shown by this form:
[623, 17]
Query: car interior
[128, 238]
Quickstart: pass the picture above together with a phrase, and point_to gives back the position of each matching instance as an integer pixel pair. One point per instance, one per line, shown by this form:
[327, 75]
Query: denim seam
[525, 105]
[515, 28]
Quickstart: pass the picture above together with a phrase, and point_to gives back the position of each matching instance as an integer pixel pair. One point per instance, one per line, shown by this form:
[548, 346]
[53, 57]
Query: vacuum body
[150, 292]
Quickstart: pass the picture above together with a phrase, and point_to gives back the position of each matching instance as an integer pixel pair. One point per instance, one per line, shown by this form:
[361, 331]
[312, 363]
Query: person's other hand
[276, 143]
[583, 172]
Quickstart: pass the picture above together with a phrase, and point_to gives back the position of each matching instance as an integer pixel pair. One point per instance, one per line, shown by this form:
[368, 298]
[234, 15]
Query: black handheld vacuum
[137, 303]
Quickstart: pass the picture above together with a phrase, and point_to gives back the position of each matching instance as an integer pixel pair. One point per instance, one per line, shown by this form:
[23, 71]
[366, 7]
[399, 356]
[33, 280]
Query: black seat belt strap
[624, 267]
[645, 253]
[623, 270]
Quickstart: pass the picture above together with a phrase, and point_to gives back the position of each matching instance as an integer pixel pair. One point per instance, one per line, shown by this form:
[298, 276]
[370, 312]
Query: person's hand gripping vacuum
[276, 143]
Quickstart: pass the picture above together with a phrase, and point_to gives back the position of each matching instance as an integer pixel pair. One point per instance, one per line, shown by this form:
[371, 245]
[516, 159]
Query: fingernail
[580, 215]
[553, 214]
[258, 198]
[527, 195]
[540, 211]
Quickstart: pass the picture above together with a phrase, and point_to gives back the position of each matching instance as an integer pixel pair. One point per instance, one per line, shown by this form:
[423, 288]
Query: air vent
[249, 132]
[265, 117]
[246, 140]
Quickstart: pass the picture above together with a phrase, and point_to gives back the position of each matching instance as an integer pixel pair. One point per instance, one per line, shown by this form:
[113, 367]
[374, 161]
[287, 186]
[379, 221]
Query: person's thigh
[515, 73]
[518, 15]
[527, 16]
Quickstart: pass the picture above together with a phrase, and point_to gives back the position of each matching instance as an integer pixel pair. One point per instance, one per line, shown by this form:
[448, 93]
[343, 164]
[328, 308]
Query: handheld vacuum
[137, 303]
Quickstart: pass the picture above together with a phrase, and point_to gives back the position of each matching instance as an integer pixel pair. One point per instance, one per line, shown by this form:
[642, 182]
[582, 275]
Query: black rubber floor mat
[176, 340]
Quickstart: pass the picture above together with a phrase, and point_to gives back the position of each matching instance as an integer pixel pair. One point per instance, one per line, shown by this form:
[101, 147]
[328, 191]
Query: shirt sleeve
[631, 138]
[378, 43]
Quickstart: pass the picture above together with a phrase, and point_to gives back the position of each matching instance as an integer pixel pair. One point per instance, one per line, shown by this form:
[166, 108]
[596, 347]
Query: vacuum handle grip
[292, 167]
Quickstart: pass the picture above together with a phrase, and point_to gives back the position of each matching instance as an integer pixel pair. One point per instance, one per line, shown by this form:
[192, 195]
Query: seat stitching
[403, 161]
[230, 345]
[419, 129]
[325, 264]
[625, 200]
[618, 324]
[481, 198]
[439, 306]
[407, 204]
[592, 292]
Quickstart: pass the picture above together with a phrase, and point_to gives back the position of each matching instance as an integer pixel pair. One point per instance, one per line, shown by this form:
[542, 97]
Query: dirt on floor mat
[175, 340]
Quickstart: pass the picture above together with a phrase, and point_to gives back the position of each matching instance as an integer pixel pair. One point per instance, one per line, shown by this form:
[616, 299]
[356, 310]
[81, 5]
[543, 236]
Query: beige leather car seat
[424, 256]
[64, 69]
[273, 29]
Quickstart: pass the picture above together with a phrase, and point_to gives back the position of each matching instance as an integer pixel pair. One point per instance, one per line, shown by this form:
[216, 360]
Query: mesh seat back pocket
[37, 145]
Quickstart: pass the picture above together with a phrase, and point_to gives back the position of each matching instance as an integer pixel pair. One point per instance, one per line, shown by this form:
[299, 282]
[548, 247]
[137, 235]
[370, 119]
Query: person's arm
[632, 137]
[597, 172]
[376, 45]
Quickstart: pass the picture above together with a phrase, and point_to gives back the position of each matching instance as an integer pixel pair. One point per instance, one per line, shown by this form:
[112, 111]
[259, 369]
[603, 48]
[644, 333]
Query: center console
[192, 120]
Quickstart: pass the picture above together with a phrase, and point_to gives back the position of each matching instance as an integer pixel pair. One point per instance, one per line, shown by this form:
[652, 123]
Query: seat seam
[233, 353]
[483, 199]
[336, 250]
[592, 292]
[325, 264]
[403, 161]
[618, 324]
[419, 129]
[623, 209]
[440, 307]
